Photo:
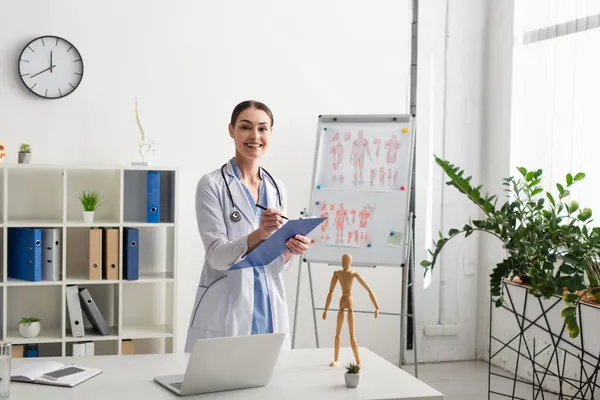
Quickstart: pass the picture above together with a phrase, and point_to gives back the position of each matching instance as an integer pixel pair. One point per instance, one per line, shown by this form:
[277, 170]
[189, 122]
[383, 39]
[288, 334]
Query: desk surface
[300, 374]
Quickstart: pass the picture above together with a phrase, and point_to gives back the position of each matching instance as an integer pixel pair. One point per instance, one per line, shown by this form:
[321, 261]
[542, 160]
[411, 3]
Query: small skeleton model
[2, 152]
[346, 277]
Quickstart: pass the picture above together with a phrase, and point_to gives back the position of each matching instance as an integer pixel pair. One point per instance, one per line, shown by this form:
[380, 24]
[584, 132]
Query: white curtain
[556, 93]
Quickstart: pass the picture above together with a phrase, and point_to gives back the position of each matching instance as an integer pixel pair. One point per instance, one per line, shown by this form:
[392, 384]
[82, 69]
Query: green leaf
[567, 269]
[523, 171]
[425, 263]
[537, 191]
[453, 232]
[574, 206]
[570, 297]
[569, 179]
[560, 188]
[550, 198]
[568, 311]
[530, 175]
[579, 176]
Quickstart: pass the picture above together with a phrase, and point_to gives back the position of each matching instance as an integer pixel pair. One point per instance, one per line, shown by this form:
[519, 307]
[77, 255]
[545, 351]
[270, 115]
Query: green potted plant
[90, 201]
[549, 246]
[352, 375]
[24, 154]
[29, 327]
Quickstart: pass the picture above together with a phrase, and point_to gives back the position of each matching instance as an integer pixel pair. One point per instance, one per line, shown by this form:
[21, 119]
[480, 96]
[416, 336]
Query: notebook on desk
[53, 373]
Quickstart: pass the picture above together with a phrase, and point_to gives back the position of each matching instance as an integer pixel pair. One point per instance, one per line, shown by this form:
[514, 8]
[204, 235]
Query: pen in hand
[265, 208]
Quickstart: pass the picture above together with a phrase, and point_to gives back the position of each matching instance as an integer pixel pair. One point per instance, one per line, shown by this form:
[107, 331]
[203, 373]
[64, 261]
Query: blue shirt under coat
[262, 321]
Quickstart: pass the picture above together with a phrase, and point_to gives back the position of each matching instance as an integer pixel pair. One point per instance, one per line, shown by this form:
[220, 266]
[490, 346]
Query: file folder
[131, 253]
[89, 349]
[74, 309]
[52, 261]
[78, 349]
[95, 254]
[92, 312]
[153, 204]
[25, 254]
[110, 256]
[275, 245]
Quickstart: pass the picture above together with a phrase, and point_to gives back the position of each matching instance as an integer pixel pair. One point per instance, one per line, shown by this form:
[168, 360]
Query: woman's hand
[270, 221]
[298, 244]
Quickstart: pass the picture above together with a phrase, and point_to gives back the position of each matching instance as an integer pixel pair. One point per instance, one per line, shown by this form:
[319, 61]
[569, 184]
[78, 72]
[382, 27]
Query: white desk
[300, 374]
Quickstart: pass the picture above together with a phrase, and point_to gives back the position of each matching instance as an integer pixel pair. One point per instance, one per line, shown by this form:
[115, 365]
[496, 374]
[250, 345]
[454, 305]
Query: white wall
[190, 62]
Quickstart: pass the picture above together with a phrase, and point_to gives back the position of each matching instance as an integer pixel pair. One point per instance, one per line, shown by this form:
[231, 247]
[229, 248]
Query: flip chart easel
[362, 181]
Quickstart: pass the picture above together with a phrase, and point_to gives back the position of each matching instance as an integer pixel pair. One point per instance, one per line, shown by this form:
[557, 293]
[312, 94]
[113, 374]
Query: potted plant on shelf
[352, 375]
[24, 154]
[549, 246]
[90, 202]
[30, 327]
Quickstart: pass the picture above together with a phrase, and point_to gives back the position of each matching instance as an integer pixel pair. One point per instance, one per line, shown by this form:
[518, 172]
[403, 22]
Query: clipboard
[274, 246]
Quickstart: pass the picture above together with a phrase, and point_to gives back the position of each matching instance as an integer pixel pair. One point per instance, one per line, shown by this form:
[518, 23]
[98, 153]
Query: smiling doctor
[248, 301]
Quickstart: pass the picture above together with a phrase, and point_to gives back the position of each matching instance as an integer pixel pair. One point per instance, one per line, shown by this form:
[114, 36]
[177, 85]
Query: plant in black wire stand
[549, 245]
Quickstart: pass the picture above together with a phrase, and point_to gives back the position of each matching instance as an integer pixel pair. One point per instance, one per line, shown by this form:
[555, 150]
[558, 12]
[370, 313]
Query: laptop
[227, 363]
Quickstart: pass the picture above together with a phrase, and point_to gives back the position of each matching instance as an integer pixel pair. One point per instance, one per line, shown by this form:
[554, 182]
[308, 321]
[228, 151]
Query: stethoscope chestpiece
[235, 216]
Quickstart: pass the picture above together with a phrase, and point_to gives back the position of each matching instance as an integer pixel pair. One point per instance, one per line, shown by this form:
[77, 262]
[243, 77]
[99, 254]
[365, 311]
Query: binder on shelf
[89, 349]
[74, 308]
[131, 253]
[78, 349]
[127, 346]
[31, 351]
[153, 204]
[92, 312]
[95, 254]
[25, 254]
[110, 256]
[52, 244]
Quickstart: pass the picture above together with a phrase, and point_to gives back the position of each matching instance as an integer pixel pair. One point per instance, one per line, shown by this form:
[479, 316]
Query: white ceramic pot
[30, 330]
[24, 158]
[352, 380]
[88, 217]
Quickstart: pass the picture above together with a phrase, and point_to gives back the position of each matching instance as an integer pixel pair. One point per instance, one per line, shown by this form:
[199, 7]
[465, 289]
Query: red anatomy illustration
[377, 143]
[363, 238]
[341, 178]
[335, 137]
[395, 176]
[364, 217]
[381, 175]
[359, 147]
[392, 147]
[337, 155]
[324, 214]
[347, 136]
[353, 212]
[372, 177]
[356, 237]
[341, 215]
[349, 237]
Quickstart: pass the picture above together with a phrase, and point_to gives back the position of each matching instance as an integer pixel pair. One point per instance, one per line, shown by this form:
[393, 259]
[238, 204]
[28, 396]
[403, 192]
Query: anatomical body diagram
[346, 225]
[370, 159]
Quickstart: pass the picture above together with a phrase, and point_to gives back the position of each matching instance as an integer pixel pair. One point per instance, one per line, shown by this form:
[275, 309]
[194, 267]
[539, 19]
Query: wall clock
[51, 67]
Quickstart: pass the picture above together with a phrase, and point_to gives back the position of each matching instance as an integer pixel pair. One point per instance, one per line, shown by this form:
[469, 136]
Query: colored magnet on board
[317, 203]
[325, 128]
[391, 233]
[403, 188]
[369, 245]
[318, 186]
[312, 241]
[405, 130]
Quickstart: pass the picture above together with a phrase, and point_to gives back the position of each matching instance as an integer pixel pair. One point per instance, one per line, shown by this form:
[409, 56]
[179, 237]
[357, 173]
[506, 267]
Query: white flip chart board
[361, 182]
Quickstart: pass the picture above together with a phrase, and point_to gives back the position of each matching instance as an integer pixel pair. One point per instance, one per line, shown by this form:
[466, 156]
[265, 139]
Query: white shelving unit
[144, 310]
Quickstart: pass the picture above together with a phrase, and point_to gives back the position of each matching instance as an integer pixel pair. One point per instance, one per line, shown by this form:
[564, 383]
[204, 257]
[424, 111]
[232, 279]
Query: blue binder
[131, 254]
[153, 203]
[25, 254]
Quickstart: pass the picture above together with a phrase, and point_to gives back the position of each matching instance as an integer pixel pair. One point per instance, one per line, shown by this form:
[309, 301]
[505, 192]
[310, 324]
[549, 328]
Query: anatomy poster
[348, 224]
[364, 158]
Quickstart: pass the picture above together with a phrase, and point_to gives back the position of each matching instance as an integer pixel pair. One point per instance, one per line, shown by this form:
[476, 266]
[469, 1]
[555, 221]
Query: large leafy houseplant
[548, 241]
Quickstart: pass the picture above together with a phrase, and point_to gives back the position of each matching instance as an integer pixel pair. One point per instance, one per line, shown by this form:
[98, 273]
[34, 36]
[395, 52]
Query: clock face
[50, 67]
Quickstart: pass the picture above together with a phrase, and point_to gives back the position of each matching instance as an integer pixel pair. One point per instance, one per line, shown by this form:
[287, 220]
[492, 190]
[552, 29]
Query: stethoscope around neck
[235, 215]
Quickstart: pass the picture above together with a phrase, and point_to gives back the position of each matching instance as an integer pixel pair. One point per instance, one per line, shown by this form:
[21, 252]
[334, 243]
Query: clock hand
[50, 60]
[43, 71]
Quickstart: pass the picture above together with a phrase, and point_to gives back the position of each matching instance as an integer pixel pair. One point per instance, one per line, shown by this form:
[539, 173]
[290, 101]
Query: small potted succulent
[24, 154]
[29, 327]
[90, 202]
[352, 375]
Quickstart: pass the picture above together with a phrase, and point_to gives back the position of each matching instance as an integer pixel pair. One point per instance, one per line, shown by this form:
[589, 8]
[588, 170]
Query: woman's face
[251, 133]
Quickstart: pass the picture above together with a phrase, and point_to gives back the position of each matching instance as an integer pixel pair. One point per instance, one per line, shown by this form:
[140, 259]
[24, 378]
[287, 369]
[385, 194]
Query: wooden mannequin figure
[346, 277]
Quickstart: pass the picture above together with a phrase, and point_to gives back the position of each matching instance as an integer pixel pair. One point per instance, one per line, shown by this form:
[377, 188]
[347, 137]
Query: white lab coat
[224, 299]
